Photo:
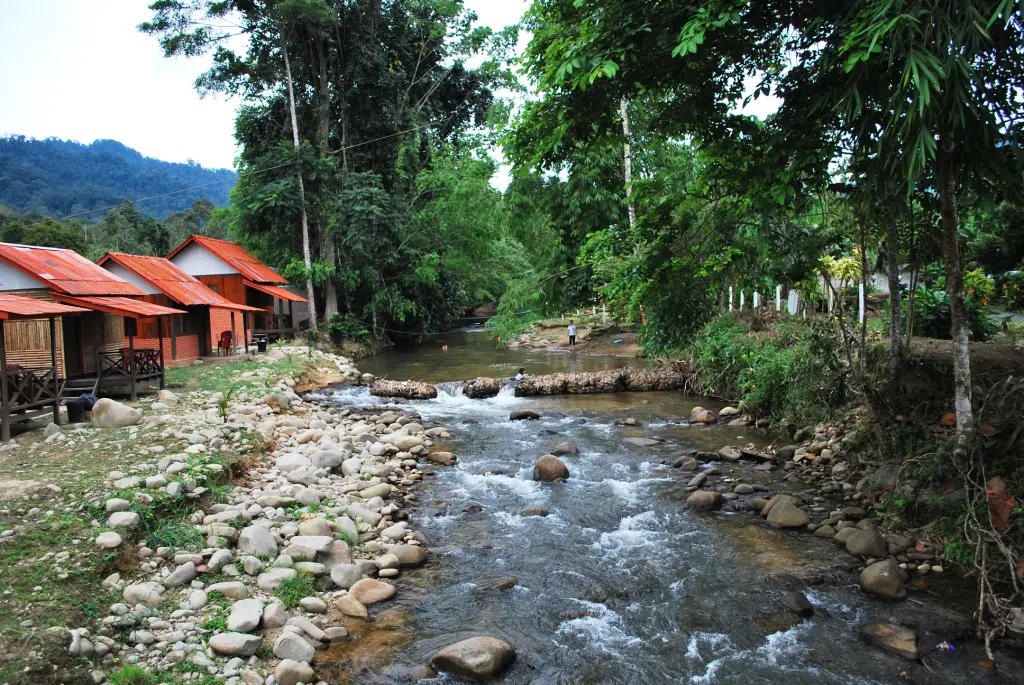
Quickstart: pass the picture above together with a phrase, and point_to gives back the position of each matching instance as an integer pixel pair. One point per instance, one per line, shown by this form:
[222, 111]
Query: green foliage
[978, 285]
[224, 401]
[1011, 291]
[58, 178]
[346, 328]
[131, 675]
[791, 372]
[292, 590]
[932, 316]
[998, 245]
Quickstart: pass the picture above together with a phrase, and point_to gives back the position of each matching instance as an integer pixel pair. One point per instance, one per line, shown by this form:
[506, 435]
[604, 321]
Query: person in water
[521, 376]
[572, 334]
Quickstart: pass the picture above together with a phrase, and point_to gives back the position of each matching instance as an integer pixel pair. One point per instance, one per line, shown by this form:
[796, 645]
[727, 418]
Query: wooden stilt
[245, 330]
[174, 340]
[131, 362]
[56, 381]
[234, 335]
[160, 335]
[5, 395]
[292, 323]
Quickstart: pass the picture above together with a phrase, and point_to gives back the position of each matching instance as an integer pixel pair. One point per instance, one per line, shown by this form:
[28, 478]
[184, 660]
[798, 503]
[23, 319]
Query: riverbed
[618, 583]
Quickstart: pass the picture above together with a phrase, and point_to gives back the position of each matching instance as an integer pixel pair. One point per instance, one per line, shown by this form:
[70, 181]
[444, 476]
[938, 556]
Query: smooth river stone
[369, 591]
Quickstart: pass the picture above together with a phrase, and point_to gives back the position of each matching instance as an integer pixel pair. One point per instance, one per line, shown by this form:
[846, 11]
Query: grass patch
[217, 377]
[294, 589]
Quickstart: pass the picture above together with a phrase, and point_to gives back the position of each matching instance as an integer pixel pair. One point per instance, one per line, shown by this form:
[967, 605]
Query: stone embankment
[830, 498]
[311, 536]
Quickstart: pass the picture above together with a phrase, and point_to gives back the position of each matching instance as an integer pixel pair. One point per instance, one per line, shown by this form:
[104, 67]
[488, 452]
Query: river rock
[775, 500]
[292, 646]
[785, 514]
[481, 387]
[884, 579]
[550, 468]
[108, 413]
[350, 606]
[409, 556]
[477, 658]
[844, 534]
[523, 415]
[534, 511]
[231, 589]
[369, 591]
[565, 449]
[108, 540]
[257, 541]
[798, 603]
[185, 573]
[730, 454]
[291, 672]
[123, 519]
[703, 416]
[867, 542]
[235, 644]
[641, 442]
[442, 458]
[786, 453]
[143, 593]
[272, 579]
[892, 638]
[704, 500]
[245, 615]
[275, 615]
[825, 531]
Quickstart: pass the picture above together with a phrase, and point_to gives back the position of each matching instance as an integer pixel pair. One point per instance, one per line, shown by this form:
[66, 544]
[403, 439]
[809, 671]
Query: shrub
[979, 286]
[1012, 291]
[933, 316]
[792, 372]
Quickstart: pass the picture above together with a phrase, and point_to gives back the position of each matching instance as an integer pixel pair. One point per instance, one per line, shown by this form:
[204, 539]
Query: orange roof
[18, 307]
[65, 271]
[163, 275]
[276, 291]
[122, 306]
[244, 263]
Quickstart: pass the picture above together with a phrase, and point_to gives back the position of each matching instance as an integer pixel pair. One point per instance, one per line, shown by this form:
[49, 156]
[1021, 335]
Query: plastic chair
[224, 343]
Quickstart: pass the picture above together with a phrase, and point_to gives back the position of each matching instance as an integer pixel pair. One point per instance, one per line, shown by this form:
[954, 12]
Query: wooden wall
[230, 286]
[28, 340]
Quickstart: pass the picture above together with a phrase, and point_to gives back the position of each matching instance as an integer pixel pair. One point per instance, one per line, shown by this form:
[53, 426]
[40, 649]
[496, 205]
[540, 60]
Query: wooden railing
[122, 366]
[31, 388]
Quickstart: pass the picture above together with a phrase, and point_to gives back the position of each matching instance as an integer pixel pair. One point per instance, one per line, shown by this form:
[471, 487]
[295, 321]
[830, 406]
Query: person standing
[572, 334]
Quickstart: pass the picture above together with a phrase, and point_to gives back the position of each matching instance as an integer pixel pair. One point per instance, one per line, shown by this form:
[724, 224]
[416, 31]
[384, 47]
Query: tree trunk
[892, 254]
[302, 191]
[955, 288]
[627, 163]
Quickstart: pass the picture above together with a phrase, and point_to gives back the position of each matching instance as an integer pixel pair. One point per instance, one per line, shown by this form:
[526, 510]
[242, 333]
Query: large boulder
[565, 449]
[108, 413]
[703, 416]
[409, 556]
[785, 514]
[245, 615]
[477, 658]
[291, 672]
[442, 458]
[867, 542]
[892, 638]
[549, 468]
[704, 500]
[294, 647]
[523, 415]
[884, 579]
[482, 387]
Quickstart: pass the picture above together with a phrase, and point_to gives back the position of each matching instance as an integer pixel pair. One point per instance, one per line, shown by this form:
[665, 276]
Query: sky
[80, 70]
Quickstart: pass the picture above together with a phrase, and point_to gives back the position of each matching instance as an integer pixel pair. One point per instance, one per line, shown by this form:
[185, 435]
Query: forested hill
[61, 177]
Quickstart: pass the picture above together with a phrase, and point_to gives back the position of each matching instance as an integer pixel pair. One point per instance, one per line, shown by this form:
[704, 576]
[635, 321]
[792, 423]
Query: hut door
[73, 344]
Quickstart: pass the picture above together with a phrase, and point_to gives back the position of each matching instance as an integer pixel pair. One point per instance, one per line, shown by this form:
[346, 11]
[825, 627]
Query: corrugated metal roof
[276, 291]
[163, 275]
[65, 271]
[17, 307]
[123, 306]
[251, 268]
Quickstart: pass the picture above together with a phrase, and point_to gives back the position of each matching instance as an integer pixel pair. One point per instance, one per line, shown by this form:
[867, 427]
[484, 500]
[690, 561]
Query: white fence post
[742, 296]
[860, 301]
[730, 298]
[757, 299]
[778, 298]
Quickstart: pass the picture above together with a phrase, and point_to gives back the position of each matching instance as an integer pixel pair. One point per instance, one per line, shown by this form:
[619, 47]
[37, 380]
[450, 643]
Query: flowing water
[618, 584]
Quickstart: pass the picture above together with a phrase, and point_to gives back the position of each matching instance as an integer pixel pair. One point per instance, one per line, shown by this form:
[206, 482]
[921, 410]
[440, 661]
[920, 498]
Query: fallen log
[410, 390]
[482, 387]
[593, 382]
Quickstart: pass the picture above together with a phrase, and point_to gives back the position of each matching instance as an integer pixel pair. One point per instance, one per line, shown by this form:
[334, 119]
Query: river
[619, 583]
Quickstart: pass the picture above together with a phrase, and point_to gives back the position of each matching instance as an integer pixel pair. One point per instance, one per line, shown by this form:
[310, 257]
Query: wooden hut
[230, 271]
[191, 334]
[28, 392]
[92, 354]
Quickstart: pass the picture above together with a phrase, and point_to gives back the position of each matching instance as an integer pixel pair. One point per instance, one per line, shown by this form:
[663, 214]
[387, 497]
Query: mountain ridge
[58, 178]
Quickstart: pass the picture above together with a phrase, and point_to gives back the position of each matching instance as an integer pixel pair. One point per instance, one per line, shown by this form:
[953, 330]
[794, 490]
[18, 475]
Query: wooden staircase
[73, 387]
